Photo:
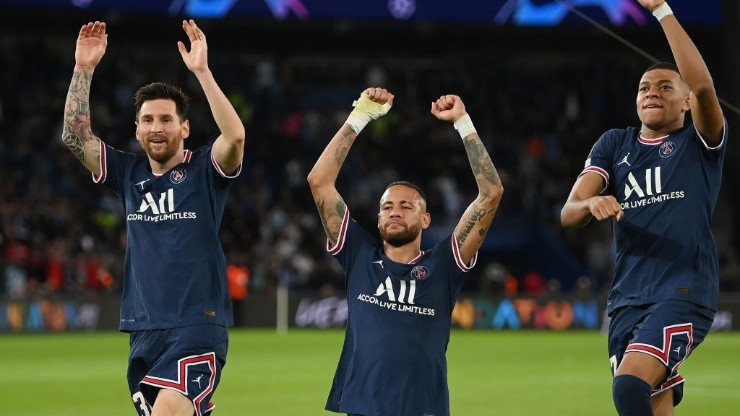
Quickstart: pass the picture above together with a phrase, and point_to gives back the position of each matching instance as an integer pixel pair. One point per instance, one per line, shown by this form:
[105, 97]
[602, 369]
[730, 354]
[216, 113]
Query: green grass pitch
[490, 373]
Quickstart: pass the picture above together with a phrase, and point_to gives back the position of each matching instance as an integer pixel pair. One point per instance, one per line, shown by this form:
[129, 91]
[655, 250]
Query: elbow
[568, 220]
[494, 193]
[313, 179]
[240, 137]
[491, 196]
[565, 220]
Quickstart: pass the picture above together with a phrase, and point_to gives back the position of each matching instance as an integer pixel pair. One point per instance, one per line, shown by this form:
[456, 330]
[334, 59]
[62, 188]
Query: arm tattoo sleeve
[77, 129]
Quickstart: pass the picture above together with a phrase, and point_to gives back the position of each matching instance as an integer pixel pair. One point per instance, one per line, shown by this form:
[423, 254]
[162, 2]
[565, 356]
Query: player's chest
[409, 284]
[175, 191]
[649, 169]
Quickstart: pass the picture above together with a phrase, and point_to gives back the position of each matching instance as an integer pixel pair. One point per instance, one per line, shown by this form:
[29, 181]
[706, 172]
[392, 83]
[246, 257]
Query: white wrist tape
[464, 126]
[365, 111]
[662, 11]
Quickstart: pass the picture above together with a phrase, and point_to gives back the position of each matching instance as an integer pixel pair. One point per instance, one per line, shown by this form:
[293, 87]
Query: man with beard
[400, 298]
[175, 302]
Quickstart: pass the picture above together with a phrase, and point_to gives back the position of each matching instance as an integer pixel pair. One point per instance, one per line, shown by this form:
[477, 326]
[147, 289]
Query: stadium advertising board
[499, 313]
[58, 315]
[474, 313]
[497, 12]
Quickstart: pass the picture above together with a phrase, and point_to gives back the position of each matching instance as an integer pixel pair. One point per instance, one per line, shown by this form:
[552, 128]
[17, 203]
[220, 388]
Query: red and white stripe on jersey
[221, 171]
[652, 142]
[458, 258]
[673, 380]
[103, 166]
[181, 384]
[597, 170]
[336, 248]
[663, 353]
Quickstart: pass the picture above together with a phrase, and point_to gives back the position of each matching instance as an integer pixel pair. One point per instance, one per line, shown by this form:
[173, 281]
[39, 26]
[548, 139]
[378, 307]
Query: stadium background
[540, 90]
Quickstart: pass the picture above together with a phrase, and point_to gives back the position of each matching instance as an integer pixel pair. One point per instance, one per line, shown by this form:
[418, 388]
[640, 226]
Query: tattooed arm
[373, 103]
[473, 226]
[77, 131]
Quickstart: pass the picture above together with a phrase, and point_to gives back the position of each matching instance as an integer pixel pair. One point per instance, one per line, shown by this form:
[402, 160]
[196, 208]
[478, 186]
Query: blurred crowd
[537, 114]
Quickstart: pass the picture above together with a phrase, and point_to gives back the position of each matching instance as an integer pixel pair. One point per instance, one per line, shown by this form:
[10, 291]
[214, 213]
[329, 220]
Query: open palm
[91, 44]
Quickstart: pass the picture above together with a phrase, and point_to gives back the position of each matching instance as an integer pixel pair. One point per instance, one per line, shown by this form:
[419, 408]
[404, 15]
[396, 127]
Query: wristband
[365, 111]
[662, 11]
[464, 126]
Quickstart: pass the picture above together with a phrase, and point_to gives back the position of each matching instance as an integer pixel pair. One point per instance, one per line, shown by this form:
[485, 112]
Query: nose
[156, 126]
[653, 92]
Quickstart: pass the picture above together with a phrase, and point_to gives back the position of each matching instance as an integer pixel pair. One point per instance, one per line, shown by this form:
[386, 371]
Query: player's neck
[159, 169]
[404, 254]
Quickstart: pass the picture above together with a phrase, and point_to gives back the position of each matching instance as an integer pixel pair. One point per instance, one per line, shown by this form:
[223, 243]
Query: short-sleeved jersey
[399, 317]
[667, 188]
[175, 268]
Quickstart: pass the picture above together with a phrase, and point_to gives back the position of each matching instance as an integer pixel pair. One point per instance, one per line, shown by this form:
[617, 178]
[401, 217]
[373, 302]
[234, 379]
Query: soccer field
[490, 373]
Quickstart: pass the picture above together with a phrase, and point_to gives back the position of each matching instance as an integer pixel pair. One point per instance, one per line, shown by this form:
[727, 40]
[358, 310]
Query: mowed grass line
[490, 372]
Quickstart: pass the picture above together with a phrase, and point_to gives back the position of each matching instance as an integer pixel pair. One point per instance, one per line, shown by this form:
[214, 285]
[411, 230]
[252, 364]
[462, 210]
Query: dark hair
[413, 186]
[664, 65]
[160, 90]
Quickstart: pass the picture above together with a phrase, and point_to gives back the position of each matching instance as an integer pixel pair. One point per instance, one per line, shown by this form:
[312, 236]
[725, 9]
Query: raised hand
[197, 58]
[650, 4]
[372, 104]
[448, 108]
[91, 44]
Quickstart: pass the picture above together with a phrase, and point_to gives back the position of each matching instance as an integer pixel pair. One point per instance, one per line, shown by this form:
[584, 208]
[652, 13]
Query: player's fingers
[196, 30]
[181, 48]
[188, 30]
[84, 29]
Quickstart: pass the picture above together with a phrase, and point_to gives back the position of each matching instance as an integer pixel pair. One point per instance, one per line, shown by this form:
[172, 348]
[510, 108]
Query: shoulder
[618, 135]
[615, 138]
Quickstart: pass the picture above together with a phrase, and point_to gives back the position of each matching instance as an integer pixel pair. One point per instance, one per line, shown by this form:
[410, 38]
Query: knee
[630, 394]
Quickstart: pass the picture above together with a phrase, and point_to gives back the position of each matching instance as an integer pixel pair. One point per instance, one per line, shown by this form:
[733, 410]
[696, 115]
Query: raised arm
[228, 149]
[475, 222]
[77, 130]
[706, 111]
[373, 103]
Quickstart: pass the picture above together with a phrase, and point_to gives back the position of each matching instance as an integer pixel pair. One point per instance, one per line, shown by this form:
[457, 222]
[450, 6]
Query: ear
[136, 131]
[686, 106]
[426, 219]
[185, 129]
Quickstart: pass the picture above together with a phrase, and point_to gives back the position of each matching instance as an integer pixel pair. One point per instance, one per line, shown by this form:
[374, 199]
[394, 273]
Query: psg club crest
[419, 272]
[667, 149]
[177, 176]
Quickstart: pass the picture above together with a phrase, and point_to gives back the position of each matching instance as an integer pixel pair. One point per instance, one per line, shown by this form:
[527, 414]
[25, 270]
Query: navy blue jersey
[667, 188]
[175, 268]
[398, 327]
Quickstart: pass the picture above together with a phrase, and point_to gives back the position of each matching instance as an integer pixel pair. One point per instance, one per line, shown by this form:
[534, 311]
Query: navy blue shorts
[668, 331]
[187, 359]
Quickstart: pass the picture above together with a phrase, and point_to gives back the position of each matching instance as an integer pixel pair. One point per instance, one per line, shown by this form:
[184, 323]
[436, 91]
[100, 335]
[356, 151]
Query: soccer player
[658, 184]
[175, 300]
[400, 298]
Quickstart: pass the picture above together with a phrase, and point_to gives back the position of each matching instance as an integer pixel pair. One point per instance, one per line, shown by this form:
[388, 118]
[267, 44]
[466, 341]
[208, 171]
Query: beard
[160, 156]
[400, 238]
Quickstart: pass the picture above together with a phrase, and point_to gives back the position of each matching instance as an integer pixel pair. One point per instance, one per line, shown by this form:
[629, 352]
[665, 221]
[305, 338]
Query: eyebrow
[660, 81]
[403, 201]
